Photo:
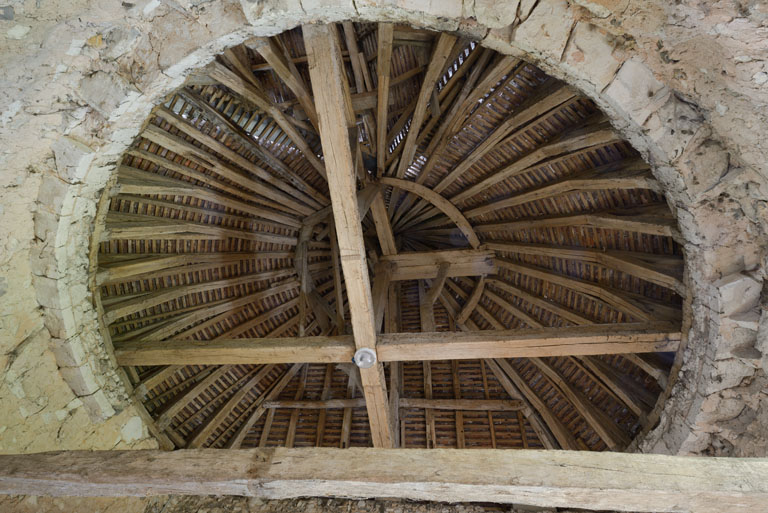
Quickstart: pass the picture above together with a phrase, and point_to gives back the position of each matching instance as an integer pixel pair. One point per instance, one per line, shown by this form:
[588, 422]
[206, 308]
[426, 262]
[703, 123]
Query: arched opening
[492, 198]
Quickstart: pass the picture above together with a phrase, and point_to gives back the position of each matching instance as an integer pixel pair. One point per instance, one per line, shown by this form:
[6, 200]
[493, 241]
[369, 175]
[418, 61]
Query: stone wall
[684, 82]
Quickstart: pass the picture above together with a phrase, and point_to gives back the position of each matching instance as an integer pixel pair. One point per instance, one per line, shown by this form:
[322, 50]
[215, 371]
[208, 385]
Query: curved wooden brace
[441, 203]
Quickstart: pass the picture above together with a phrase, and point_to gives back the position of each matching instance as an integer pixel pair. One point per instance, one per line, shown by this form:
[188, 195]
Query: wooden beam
[437, 285]
[247, 90]
[428, 404]
[383, 72]
[654, 220]
[585, 480]
[257, 408]
[621, 175]
[435, 69]
[323, 404]
[514, 382]
[425, 265]
[268, 47]
[237, 351]
[595, 136]
[334, 110]
[461, 404]
[600, 422]
[143, 183]
[471, 303]
[663, 270]
[634, 306]
[541, 302]
[575, 340]
[134, 226]
[627, 390]
[141, 302]
[442, 204]
[380, 292]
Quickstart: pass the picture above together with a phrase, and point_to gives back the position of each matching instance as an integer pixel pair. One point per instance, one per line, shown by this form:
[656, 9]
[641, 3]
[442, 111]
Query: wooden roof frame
[487, 286]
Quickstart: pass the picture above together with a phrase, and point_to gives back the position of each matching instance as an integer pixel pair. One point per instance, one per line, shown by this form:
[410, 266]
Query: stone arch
[672, 135]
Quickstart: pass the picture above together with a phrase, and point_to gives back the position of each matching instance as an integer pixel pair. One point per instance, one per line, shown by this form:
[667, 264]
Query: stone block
[545, 32]
[46, 226]
[437, 14]
[590, 55]
[98, 406]
[735, 341]
[736, 293]
[603, 8]
[80, 379]
[636, 91]
[747, 320]
[702, 164]
[672, 126]
[726, 374]
[104, 92]
[68, 353]
[52, 194]
[494, 14]
[133, 430]
[47, 291]
[60, 323]
[6, 12]
[73, 159]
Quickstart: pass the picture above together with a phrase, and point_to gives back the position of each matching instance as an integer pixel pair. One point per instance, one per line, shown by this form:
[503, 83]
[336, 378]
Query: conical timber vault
[509, 258]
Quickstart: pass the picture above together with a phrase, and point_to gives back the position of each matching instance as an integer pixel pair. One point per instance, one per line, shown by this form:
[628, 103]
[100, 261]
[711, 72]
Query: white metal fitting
[365, 358]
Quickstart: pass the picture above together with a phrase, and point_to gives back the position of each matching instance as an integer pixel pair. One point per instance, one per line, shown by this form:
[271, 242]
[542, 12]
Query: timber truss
[479, 226]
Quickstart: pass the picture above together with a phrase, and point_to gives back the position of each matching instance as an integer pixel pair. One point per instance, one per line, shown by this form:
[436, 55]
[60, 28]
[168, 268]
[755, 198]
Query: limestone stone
[725, 374]
[104, 92]
[98, 405]
[637, 91]
[494, 14]
[73, 159]
[546, 31]
[68, 353]
[703, 163]
[80, 379]
[736, 293]
[18, 32]
[133, 430]
[590, 51]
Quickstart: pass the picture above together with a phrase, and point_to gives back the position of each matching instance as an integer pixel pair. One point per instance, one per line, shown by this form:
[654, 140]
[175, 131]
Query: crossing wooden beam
[575, 340]
[336, 118]
[425, 265]
[588, 480]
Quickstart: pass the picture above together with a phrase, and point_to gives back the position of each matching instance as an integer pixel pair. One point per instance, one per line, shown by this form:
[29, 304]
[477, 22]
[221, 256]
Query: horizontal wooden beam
[574, 340]
[424, 265]
[588, 480]
[542, 342]
[462, 404]
[237, 351]
[405, 402]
